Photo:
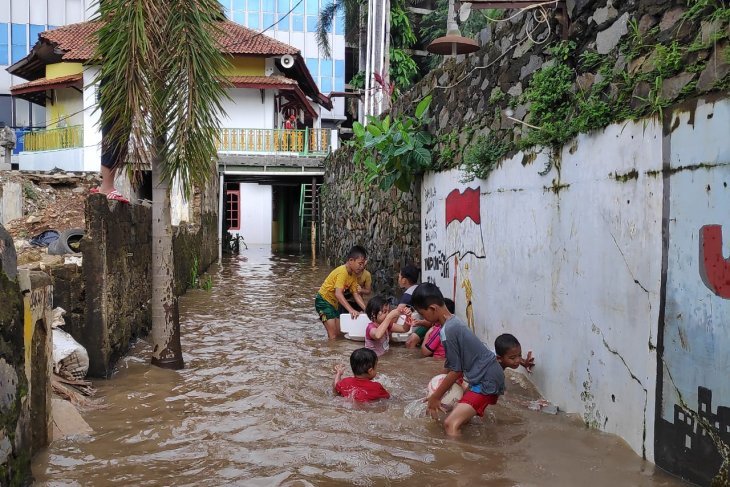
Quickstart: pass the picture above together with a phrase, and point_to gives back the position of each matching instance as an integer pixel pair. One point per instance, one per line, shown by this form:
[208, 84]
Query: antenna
[287, 61]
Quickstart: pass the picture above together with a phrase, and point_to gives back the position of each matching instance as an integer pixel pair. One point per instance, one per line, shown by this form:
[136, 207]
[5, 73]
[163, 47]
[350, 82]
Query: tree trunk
[166, 349]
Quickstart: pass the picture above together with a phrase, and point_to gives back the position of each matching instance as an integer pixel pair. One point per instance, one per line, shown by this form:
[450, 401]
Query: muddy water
[253, 407]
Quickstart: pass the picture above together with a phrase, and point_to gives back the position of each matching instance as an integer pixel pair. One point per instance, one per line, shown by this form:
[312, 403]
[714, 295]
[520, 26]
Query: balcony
[54, 139]
[304, 142]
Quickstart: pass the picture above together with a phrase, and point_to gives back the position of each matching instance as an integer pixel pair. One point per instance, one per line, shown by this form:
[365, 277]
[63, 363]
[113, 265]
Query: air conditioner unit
[287, 61]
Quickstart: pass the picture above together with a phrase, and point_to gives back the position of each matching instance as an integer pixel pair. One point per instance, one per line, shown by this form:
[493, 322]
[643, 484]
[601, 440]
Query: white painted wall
[255, 211]
[92, 127]
[245, 109]
[559, 269]
[576, 274]
[66, 159]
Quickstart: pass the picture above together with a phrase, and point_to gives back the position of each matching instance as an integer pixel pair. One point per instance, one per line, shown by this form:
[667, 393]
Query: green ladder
[307, 211]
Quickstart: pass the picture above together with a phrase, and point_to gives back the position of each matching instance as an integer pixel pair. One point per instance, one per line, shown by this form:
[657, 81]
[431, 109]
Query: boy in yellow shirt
[331, 295]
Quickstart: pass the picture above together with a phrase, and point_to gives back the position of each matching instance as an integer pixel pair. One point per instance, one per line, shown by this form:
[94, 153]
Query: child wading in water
[362, 387]
[331, 294]
[383, 322]
[466, 355]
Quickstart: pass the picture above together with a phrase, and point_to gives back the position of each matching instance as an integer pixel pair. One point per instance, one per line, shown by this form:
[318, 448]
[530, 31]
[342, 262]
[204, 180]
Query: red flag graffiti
[459, 206]
[714, 268]
[463, 224]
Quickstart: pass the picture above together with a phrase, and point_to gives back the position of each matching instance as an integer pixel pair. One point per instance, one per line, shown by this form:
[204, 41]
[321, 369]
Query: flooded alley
[254, 407]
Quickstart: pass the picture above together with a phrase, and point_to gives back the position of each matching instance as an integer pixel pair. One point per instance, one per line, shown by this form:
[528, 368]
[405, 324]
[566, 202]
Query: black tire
[67, 242]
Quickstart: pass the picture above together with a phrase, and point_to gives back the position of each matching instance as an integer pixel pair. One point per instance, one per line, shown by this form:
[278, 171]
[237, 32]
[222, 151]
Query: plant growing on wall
[482, 156]
[390, 152]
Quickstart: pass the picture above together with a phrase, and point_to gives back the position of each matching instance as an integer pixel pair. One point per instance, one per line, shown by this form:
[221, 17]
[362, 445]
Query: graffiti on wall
[714, 268]
[464, 224]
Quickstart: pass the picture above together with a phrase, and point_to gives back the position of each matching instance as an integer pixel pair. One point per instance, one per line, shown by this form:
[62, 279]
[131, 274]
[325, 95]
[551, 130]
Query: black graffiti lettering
[437, 263]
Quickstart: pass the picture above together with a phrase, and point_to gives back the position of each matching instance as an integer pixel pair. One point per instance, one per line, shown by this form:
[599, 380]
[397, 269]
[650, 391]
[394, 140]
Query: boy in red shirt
[362, 387]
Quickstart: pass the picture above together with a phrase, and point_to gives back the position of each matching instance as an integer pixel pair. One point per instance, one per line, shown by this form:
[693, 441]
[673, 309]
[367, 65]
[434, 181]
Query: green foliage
[448, 144]
[496, 96]
[654, 101]
[29, 191]
[401, 31]
[390, 152]
[636, 42]
[562, 51]
[591, 59]
[403, 69]
[482, 157]
[668, 59]
[358, 80]
[197, 281]
[552, 106]
[708, 10]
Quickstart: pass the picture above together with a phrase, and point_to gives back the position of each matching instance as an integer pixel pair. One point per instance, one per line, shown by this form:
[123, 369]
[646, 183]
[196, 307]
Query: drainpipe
[221, 193]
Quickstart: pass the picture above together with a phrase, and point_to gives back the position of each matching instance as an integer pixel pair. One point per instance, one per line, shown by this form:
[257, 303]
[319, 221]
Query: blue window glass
[340, 23]
[283, 22]
[253, 6]
[325, 67]
[19, 42]
[340, 68]
[297, 23]
[226, 6]
[311, 23]
[268, 6]
[326, 84]
[327, 4]
[312, 7]
[268, 20]
[3, 44]
[34, 31]
[313, 66]
[298, 7]
[282, 6]
[253, 20]
[239, 17]
[339, 83]
[51, 27]
[239, 4]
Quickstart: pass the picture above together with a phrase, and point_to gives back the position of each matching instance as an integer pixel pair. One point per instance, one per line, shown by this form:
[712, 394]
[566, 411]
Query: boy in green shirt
[331, 294]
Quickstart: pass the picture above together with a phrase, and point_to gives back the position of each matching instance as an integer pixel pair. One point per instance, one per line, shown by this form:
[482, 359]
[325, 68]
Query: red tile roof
[79, 41]
[261, 80]
[43, 84]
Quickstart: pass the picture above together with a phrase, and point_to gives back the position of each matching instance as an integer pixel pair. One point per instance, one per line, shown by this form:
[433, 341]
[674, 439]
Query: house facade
[268, 82]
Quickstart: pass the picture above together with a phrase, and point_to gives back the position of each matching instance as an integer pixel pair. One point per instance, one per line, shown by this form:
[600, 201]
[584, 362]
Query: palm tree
[161, 88]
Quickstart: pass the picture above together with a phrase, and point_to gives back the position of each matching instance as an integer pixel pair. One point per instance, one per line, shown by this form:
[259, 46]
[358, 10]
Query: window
[226, 5]
[19, 42]
[326, 4]
[282, 9]
[6, 109]
[233, 207]
[312, 15]
[325, 72]
[340, 75]
[313, 67]
[34, 31]
[269, 10]
[3, 44]
[340, 22]
[297, 16]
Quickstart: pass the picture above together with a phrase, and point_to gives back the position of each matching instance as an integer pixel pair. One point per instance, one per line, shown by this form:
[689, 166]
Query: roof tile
[79, 41]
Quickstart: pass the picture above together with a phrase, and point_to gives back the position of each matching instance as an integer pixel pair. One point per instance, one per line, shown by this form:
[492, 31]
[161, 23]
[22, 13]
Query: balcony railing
[300, 142]
[54, 139]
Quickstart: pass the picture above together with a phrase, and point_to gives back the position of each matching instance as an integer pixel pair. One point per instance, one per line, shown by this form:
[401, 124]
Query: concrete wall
[108, 300]
[26, 298]
[11, 201]
[245, 109]
[66, 159]
[573, 264]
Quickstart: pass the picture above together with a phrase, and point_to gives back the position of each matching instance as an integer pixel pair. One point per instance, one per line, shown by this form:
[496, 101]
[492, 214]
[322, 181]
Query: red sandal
[116, 196]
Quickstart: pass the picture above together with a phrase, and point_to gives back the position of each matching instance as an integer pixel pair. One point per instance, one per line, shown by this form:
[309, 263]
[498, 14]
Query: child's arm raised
[377, 333]
[528, 362]
[425, 351]
[339, 371]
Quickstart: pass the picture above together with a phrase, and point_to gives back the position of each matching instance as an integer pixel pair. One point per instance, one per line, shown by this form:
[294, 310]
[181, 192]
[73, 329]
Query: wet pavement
[254, 407]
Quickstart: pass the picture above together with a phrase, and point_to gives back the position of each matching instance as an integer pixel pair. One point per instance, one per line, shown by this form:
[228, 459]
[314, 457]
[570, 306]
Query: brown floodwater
[254, 407]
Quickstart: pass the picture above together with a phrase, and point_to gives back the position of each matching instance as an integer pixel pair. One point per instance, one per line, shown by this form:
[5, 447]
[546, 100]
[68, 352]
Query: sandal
[93, 190]
[116, 196]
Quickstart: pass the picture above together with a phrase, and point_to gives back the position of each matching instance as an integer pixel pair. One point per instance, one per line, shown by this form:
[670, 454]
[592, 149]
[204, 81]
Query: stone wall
[386, 224]
[107, 302]
[14, 418]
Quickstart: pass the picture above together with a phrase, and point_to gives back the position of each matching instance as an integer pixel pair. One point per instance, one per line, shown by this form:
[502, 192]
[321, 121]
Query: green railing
[54, 139]
[302, 142]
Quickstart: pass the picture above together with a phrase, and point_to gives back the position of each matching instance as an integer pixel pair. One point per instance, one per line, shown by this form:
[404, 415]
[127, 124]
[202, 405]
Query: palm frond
[325, 22]
[192, 94]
